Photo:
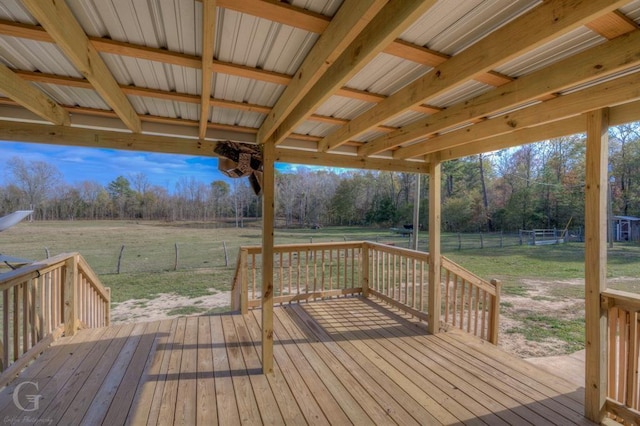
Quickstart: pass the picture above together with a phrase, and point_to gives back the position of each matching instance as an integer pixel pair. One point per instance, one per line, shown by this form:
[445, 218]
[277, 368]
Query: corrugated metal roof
[315, 128]
[240, 89]
[74, 96]
[324, 7]
[467, 90]
[405, 118]
[255, 42]
[32, 55]
[345, 108]
[451, 26]
[567, 45]
[236, 117]
[13, 10]
[386, 74]
[632, 10]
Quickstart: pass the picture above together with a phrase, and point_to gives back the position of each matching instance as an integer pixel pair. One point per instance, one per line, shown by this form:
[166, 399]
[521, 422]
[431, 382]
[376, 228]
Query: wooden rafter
[621, 90]
[350, 20]
[64, 29]
[620, 114]
[531, 30]
[208, 42]
[613, 56]
[389, 23]
[31, 98]
[114, 47]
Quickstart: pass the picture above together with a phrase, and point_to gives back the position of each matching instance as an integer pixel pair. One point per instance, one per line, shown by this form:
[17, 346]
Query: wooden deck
[340, 361]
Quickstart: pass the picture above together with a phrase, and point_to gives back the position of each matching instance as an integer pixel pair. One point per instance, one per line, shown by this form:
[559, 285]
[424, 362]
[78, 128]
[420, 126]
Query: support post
[435, 173]
[70, 308]
[416, 213]
[596, 263]
[244, 283]
[268, 202]
[364, 264]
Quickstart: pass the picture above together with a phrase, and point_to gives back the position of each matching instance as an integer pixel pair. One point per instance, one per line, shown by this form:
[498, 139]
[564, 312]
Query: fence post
[459, 241]
[481, 241]
[120, 258]
[501, 239]
[226, 256]
[365, 269]
[175, 263]
[494, 324]
[244, 283]
[70, 308]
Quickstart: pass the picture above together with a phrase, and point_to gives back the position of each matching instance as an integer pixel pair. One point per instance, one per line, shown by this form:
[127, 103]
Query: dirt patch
[168, 305]
[535, 324]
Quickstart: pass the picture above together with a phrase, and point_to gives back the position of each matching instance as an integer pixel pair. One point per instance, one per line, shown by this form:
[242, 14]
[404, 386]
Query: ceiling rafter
[33, 32]
[599, 61]
[621, 90]
[31, 98]
[170, 96]
[349, 21]
[619, 114]
[533, 29]
[208, 43]
[389, 23]
[61, 25]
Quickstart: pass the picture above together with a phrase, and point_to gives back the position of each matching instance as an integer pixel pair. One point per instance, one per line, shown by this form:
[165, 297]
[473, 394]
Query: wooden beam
[208, 42]
[549, 20]
[31, 98]
[596, 263]
[295, 156]
[415, 53]
[281, 12]
[606, 59]
[435, 209]
[622, 90]
[350, 20]
[392, 20]
[268, 217]
[59, 22]
[612, 25]
[619, 114]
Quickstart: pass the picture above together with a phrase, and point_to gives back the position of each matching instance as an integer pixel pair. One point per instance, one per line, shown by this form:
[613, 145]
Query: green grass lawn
[148, 261]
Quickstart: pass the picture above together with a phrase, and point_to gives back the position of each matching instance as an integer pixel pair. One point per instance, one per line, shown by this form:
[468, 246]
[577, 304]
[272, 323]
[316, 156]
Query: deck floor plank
[225, 394]
[342, 326]
[80, 405]
[121, 403]
[170, 389]
[187, 384]
[105, 394]
[269, 413]
[299, 348]
[384, 340]
[162, 375]
[298, 331]
[289, 408]
[69, 393]
[375, 377]
[245, 395]
[53, 378]
[395, 410]
[143, 399]
[206, 407]
[345, 360]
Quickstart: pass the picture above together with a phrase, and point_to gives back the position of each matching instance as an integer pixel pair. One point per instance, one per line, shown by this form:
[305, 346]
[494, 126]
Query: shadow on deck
[339, 361]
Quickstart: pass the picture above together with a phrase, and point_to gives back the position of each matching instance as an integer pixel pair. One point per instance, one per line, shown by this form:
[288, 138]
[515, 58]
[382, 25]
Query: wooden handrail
[399, 276]
[623, 353]
[41, 298]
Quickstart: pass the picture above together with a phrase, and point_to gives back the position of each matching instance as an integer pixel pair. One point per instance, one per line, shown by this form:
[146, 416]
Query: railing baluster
[5, 329]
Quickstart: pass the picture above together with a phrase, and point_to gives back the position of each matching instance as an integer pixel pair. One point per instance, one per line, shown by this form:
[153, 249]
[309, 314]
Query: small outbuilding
[626, 228]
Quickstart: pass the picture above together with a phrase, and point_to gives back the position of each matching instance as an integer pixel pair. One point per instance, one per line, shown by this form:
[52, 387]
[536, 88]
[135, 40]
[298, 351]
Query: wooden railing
[400, 277]
[301, 272]
[623, 393]
[43, 300]
[395, 275]
[469, 302]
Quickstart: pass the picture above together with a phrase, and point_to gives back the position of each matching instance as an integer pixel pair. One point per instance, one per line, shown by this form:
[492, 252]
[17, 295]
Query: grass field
[543, 288]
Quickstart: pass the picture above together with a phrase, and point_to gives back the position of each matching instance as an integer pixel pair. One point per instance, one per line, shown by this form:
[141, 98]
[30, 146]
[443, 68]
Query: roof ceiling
[360, 83]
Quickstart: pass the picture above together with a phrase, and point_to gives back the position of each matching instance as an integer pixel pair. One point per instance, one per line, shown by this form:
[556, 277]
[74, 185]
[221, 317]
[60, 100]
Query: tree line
[539, 185]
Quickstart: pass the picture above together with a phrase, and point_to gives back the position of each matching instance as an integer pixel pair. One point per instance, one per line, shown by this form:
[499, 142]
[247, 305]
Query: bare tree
[37, 179]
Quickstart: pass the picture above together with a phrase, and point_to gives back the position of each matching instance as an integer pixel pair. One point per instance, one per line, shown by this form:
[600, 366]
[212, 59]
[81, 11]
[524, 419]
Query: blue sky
[78, 164]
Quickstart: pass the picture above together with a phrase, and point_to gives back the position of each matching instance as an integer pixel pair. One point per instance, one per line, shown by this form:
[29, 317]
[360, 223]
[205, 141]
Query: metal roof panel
[386, 74]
